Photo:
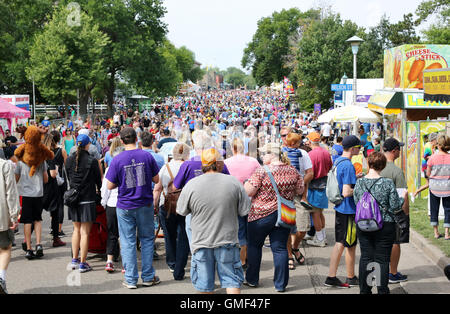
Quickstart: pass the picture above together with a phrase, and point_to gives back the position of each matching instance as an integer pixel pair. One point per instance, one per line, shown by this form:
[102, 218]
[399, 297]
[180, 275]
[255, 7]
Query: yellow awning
[384, 111]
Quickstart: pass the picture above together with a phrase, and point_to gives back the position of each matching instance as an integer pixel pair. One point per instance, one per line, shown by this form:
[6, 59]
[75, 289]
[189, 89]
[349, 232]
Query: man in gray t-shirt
[215, 200]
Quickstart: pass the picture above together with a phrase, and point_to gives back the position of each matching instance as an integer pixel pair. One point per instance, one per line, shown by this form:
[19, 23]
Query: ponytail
[79, 149]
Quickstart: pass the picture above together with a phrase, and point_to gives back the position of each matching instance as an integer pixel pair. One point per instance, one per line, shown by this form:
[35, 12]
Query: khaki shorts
[302, 217]
[6, 239]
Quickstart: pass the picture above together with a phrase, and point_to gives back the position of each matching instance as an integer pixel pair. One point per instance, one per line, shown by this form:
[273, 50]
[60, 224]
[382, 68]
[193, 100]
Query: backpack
[333, 193]
[171, 198]
[368, 215]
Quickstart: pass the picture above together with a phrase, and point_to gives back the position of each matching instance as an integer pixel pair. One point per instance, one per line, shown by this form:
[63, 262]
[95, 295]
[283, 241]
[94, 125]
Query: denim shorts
[229, 268]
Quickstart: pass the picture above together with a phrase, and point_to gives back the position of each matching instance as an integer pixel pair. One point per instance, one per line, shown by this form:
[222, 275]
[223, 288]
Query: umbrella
[350, 114]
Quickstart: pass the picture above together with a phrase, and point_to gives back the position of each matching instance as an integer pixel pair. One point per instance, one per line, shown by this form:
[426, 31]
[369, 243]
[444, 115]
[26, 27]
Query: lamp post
[344, 81]
[355, 42]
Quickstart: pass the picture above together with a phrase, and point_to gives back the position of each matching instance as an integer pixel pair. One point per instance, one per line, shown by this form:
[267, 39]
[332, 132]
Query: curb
[431, 251]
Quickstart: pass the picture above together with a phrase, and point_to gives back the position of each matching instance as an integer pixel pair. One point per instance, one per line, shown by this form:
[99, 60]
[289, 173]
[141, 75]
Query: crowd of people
[212, 168]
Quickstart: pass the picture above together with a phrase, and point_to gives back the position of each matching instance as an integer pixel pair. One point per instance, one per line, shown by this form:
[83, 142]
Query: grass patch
[420, 222]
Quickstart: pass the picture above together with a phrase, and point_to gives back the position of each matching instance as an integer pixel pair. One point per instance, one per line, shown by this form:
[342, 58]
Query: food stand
[10, 115]
[414, 102]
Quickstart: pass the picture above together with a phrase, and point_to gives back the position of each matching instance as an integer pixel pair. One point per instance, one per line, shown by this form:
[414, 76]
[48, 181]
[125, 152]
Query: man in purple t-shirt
[133, 172]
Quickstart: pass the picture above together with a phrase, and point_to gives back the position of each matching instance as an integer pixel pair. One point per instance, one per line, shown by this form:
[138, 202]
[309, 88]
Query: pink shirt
[321, 161]
[241, 167]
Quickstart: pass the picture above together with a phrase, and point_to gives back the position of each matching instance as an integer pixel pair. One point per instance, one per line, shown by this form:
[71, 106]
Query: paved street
[49, 275]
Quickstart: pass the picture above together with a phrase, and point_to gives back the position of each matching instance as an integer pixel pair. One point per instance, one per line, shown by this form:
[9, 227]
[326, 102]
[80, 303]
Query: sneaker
[308, 237]
[246, 283]
[30, 255]
[336, 283]
[75, 263]
[352, 282]
[84, 267]
[316, 242]
[154, 282]
[3, 287]
[109, 267]
[61, 234]
[129, 285]
[24, 247]
[172, 270]
[397, 278]
[57, 242]
[39, 251]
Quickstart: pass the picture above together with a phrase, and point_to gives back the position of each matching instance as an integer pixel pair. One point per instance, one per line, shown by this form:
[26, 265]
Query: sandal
[301, 259]
[291, 264]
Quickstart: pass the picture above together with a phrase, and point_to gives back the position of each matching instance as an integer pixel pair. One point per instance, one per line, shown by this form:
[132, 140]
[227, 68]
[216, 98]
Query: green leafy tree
[323, 57]
[64, 57]
[235, 76]
[266, 55]
[20, 21]
[133, 27]
[439, 32]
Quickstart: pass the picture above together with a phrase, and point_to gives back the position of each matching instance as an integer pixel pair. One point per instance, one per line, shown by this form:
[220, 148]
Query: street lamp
[355, 42]
[344, 81]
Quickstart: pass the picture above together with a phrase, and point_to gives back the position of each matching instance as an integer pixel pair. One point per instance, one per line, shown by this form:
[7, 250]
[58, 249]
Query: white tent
[350, 114]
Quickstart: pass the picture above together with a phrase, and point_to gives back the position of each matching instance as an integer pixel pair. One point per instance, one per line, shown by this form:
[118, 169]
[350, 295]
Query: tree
[323, 57]
[133, 26]
[404, 32]
[437, 33]
[235, 76]
[65, 57]
[20, 21]
[266, 54]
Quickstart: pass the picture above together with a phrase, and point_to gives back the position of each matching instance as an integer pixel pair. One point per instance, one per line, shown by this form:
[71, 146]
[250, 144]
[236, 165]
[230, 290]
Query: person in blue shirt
[345, 227]
[147, 141]
[337, 150]
[364, 137]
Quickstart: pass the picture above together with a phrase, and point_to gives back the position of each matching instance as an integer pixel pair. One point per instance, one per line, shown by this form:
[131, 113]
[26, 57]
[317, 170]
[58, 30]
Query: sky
[218, 31]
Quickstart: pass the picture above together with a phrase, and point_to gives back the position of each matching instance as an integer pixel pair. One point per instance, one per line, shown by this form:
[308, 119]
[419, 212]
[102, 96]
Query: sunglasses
[283, 135]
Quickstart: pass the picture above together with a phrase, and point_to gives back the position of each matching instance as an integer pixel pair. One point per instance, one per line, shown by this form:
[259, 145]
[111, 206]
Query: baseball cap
[391, 143]
[83, 140]
[314, 137]
[210, 156]
[350, 141]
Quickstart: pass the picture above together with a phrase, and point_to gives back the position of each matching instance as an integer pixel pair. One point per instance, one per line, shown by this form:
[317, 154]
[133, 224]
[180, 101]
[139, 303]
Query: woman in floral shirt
[263, 214]
[376, 246]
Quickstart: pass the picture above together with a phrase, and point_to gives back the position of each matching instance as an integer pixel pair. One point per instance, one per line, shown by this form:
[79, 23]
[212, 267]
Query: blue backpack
[368, 215]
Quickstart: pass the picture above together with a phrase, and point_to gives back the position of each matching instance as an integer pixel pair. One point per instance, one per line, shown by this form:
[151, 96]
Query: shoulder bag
[286, 208]
[72, 195]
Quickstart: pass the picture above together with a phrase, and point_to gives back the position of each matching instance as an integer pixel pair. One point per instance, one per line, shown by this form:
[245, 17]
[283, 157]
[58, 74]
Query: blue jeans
[176, 242]
[242, 233]
[142, 220]
[258, 230]
[229, 268]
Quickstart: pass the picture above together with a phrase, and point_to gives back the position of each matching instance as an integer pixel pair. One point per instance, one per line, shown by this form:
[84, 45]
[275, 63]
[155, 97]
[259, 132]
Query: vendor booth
[11, 116]
[414, 102]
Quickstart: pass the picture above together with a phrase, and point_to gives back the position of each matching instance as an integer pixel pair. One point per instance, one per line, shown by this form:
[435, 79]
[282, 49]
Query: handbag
[286, 208]
[72, 195]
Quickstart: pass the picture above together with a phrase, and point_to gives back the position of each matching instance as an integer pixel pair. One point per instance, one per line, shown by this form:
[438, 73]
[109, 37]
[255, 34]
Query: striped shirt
[440, 174]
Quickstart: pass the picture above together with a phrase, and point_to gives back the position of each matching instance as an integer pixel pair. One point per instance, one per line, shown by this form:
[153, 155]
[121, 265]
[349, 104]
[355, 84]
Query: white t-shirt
[326, 130]
[304, 163]
[165, 178]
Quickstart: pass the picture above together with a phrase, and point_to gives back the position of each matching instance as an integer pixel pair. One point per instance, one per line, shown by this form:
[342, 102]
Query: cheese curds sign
[404, 66]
